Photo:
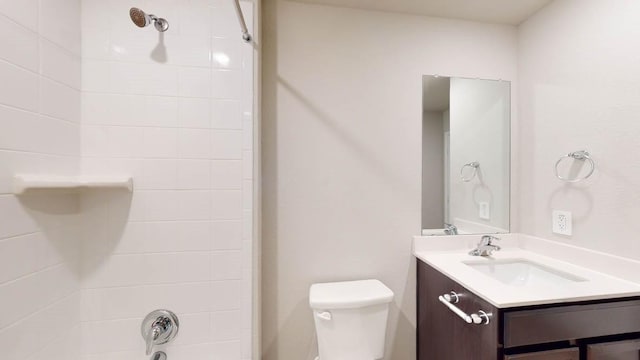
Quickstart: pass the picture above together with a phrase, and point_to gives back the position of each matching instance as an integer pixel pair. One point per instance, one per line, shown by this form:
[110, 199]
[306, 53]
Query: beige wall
[579, 81]
[342, 153]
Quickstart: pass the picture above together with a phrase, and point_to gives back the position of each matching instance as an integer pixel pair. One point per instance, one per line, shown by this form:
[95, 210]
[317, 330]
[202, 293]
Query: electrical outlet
[561, 221]
[484, 211]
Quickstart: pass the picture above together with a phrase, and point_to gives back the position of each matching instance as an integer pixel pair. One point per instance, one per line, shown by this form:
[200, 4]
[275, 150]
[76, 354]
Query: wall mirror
[465, 155]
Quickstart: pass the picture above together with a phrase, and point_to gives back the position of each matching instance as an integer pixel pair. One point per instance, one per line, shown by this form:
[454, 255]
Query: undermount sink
[521, 272]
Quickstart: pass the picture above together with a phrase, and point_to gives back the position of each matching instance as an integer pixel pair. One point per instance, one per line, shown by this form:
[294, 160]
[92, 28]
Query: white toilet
[351, 319]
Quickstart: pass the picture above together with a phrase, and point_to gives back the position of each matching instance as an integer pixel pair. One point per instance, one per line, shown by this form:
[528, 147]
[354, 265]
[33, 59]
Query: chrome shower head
[141, 19]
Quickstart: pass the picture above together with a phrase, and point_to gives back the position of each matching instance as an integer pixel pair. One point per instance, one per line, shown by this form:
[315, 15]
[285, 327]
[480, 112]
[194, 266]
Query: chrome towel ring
[475, 165]
[581, 155]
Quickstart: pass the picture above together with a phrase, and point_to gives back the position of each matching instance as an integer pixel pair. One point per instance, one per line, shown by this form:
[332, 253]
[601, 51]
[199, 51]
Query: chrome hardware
[243, 25]
[479, 318]
[452, 297]
[485, 246]
[581, 155]
[159, 327]
[474, 165]
[142, 19]
[450, 229]
[159, 355]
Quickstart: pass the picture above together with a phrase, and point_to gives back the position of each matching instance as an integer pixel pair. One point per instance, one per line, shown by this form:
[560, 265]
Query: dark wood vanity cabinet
[596, 330]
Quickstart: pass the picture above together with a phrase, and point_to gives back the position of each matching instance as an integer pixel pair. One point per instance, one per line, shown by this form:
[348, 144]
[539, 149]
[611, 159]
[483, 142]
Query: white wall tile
[225, 114]
[44, 326]
[226, 84]
[226, 205]
[59, 64]
[226, 265]
[59, 101]
[226, 174]
[194, 82]
[158, 174]
[194, 174]
[247, 164]
[137, 301]
[173, 236]
[225, 325]
[96, 76]
[226, 235]
[96, 109]
[27, 254]
[20, 222]
[223, 22]
[195, 18]
[18, 44]
[159, 142]
[194, 143]
[95, 140]
[43, 288]
[226, 53]
[194, 205]
[96, 43]
[227, 295]
[63, 347]
[149, 107]
[142, 269]
[194, 113]
[125, 141]
[193, 50]
[60, 23]
[226, 144]
[23, 91]
[23, 12]
[143, 79]
[226, 350]
[130, 44]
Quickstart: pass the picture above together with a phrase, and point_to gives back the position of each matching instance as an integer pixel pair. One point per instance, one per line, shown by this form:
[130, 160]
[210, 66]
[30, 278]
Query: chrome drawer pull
[452, 298]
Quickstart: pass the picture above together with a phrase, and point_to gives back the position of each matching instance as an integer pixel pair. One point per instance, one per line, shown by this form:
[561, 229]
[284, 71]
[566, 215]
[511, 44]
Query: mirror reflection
[465, 155]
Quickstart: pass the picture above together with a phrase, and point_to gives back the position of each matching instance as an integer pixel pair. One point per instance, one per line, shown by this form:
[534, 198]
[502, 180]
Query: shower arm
[243, 25]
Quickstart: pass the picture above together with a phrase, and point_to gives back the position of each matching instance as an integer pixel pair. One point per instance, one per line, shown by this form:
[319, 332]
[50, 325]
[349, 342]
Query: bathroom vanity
[520, 304]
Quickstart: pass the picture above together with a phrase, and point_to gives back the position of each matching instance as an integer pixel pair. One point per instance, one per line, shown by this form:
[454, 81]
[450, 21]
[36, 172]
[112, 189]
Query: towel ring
[581, 155]
[475, 165]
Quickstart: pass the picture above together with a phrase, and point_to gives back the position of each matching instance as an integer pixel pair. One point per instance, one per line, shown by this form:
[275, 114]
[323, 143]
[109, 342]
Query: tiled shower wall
[174, 110]
[78, 272]
[39, 132]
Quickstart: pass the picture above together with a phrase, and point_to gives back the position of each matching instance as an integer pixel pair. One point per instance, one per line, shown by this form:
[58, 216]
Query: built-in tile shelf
[23, 183]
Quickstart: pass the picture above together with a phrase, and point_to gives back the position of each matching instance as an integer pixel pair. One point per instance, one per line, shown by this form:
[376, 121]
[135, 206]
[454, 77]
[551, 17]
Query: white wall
[432, 170]
[342, 153]
[39, 132]
[479, 125]
[579, 80]
[175, 110]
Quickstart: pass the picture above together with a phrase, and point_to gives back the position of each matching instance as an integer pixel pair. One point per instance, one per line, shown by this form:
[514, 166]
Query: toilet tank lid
[349, 294]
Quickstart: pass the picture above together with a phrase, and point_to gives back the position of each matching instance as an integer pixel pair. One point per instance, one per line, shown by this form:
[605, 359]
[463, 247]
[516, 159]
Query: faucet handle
[487, 239]
[159, 327]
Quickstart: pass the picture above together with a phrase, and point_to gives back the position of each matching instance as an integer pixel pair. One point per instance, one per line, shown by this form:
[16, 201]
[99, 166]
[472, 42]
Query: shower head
[141, 19]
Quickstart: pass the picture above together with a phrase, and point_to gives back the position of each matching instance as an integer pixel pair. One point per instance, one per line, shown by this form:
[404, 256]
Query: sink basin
[522, 272]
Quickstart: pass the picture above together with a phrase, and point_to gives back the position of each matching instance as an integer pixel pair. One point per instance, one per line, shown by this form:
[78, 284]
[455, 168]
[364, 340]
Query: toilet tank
[350, 319]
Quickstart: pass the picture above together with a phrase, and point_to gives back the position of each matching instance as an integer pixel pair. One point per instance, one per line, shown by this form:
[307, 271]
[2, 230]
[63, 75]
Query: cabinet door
[619, 350]
[564, 354]
[442, 335]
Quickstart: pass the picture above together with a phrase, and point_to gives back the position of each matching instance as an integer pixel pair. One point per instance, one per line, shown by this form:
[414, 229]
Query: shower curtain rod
[245, 32]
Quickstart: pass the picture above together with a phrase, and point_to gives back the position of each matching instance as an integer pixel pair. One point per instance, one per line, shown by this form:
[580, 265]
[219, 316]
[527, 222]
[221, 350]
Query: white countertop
[448, 255]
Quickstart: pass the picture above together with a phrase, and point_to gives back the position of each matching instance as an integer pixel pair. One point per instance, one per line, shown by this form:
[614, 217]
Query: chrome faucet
[159, 327]
[485, 246]
[450, 229]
